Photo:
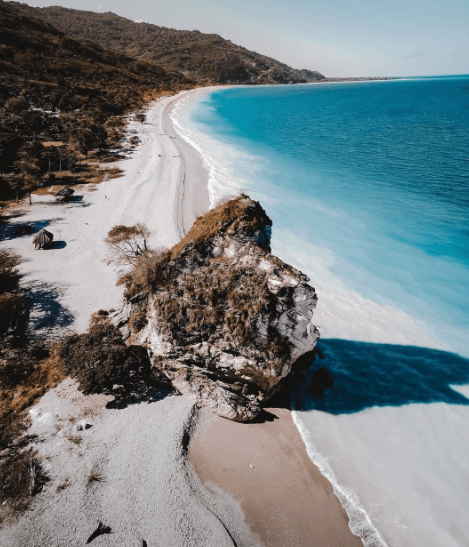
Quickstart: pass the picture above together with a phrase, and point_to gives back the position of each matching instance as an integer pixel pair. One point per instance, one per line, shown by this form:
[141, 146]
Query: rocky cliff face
[221, 317]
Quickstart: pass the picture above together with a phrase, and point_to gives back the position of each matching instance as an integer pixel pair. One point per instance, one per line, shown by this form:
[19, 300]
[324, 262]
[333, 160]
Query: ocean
[367, 185]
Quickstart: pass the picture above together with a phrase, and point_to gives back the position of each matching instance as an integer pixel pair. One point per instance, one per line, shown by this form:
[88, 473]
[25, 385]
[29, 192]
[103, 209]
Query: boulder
[224, 319]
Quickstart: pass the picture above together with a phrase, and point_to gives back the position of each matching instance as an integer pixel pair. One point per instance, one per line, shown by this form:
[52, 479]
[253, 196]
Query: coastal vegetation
[227, 315]
[128, 242]
[64, 105]
[61, 99]
[100, 359]
[196, 294]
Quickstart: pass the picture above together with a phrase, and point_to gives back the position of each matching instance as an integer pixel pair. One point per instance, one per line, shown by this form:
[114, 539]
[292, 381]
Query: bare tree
[128, 242]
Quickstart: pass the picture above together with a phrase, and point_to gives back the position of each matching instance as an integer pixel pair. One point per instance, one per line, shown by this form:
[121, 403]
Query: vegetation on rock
[99, 359]
[221, 316]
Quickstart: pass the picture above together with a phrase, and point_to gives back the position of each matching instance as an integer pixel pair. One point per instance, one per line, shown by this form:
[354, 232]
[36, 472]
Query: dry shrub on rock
[149, 271]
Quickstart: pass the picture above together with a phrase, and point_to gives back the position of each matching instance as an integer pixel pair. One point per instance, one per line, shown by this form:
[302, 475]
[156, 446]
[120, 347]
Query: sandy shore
[68, 283]
[145, 489]
[284, 497]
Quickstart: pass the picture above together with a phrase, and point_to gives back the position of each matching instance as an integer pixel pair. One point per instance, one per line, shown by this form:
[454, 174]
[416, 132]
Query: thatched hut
[43, 239]
[64, 194]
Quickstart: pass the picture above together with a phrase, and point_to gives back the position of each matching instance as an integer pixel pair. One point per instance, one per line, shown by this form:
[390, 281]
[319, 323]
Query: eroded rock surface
[220, 316]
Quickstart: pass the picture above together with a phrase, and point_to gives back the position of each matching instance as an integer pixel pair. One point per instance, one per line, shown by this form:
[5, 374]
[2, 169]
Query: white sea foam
[390, 466]
[360, 523]
[220, 183]
[395, 464]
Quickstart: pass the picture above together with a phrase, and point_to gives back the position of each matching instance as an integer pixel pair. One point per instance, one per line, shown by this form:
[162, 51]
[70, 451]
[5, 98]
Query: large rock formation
[221, 317]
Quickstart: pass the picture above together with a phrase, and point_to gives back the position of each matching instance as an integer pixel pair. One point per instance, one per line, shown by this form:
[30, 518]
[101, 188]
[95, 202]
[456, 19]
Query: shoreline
[265, 467]
[143, 489]
[164, 185]
[225, 454]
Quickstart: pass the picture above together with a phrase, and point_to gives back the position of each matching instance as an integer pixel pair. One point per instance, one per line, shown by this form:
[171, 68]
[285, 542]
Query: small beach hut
[43, 239]
[64, 194]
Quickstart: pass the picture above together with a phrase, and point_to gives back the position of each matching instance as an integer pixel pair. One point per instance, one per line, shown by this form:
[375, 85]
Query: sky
[338, 38]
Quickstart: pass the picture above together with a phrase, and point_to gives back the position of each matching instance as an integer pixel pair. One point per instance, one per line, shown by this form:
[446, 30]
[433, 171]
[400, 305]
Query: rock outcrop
[220, 316]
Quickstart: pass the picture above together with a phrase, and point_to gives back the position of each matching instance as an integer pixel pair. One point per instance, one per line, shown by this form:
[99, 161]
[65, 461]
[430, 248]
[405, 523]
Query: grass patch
[75, 439]
[94, 476]
[227, 218]
[21, 478]
[25, 376]
[64, 484]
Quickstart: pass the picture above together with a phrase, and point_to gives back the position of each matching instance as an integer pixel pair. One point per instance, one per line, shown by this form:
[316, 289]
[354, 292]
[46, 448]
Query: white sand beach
[128, 468]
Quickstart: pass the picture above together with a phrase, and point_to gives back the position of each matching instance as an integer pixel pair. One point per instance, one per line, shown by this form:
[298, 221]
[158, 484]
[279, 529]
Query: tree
[82, 137]
[140, 117]
[9, 274]
[66, 157]
[16, 184]
[86, 135]
[128, 242]
[17, 104]
[31, 165]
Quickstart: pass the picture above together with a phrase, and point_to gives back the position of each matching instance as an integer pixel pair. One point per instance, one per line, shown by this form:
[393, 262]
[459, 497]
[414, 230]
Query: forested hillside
[56, 88]
[208, 58]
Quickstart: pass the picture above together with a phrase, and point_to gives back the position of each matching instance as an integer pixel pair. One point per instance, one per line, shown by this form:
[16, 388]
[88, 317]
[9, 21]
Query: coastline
[143, 489]
[145, 477]
[297, 505]
[265, 467]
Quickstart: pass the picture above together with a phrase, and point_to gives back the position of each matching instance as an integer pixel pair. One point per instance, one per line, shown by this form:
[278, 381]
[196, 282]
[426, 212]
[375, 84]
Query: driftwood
[43, 239]
[64, 194]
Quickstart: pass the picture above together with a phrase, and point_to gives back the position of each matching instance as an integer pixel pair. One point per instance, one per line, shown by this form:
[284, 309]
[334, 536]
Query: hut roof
[42, 239]
[65, 191]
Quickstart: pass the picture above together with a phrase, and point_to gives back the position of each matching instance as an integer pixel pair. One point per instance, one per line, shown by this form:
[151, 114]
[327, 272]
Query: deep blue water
[376, 173]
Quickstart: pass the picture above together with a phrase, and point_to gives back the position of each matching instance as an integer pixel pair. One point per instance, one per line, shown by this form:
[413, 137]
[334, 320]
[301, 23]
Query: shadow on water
[354, 376]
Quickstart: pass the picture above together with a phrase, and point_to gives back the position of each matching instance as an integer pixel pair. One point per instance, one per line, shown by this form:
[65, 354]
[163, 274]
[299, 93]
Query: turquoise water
[367, 185]
[381, 171]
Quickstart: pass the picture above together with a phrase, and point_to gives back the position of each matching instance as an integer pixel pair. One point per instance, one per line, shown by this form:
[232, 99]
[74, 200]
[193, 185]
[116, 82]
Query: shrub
[14, 315]
[25, 375]
[9, 275]
[221, 297]
[21, 478]
[99, 358]
[149, 271]
[129, 242]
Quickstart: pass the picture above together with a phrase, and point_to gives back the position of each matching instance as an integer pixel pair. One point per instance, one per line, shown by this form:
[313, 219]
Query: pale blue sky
[335, 37]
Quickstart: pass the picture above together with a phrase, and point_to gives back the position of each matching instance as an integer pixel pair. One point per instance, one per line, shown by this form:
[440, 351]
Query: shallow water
[368, 188]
